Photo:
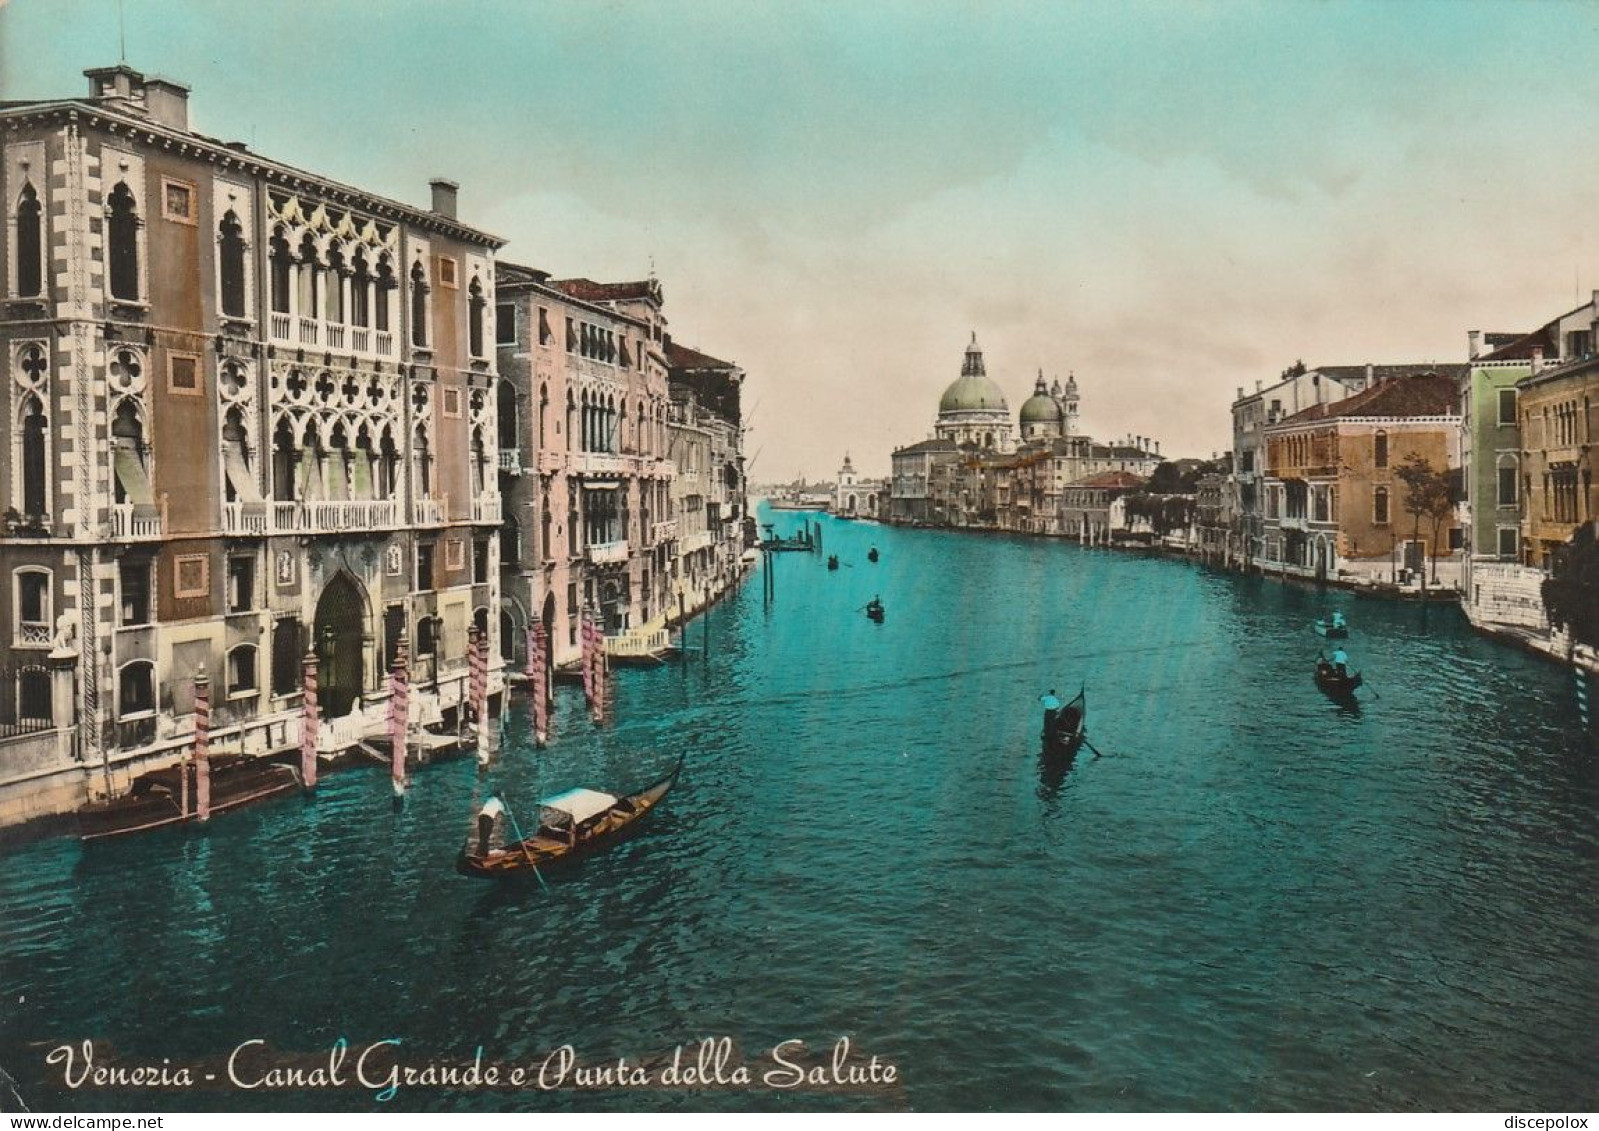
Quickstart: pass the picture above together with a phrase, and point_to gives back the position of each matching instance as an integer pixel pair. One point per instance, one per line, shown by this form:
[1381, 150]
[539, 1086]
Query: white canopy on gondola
[579, 804]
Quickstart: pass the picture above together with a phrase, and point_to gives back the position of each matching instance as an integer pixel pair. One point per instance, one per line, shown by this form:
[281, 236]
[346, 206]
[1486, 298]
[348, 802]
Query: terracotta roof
[1432, 393]
[1110, 479]
[681, 357]
[590, 291]
[936, 445]
[1543, 338]
[507, 273]
[1345, 374]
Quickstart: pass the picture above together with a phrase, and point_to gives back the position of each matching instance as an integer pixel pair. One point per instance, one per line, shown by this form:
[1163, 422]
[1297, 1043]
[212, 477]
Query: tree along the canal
[1571, 592]
[1429, 494]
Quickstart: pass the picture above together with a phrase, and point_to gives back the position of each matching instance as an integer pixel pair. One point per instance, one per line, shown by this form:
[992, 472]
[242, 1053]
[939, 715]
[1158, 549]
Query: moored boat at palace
[170, 796]
[570, 824]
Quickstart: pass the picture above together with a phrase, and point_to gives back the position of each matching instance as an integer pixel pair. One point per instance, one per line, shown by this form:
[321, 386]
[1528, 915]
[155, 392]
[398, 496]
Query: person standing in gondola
[1340, 661]
[491, 812]
[1052, 705]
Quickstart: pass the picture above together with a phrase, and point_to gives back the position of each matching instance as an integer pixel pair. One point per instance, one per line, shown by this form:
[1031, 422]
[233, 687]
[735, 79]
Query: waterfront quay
[1257, 898]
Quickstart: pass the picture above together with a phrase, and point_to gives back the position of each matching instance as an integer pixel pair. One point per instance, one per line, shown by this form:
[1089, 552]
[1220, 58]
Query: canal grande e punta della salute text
[383, 1068]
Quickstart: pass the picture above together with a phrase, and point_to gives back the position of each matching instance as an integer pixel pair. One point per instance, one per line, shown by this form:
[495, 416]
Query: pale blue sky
[1171, 199]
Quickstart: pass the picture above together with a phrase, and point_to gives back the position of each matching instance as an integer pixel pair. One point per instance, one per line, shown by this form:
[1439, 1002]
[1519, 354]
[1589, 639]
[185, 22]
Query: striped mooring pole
[1580, 677]
[202, 745]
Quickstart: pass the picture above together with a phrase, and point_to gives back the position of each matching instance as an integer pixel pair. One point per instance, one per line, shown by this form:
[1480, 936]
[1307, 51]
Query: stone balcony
[607, 553]
[336, 336]
[511, 461]
[130, 522]
[315, 517]
[550, 462]
[663, 532]
[486, 509]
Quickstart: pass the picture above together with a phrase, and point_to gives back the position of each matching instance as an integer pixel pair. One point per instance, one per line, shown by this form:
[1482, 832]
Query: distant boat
[832, 561]
[874, 610]
[159, 797]
[571, 824]
[1331, 629]
[871, 555]
[1063, 728]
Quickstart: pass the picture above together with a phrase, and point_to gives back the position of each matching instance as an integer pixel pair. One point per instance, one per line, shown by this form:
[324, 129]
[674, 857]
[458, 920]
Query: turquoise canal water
[1255, 899]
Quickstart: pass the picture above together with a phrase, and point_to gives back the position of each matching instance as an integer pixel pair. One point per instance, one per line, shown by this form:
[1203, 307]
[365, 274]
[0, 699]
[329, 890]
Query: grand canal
[1255, 899]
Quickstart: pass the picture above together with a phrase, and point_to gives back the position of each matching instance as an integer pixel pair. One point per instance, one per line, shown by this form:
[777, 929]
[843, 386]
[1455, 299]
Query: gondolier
[491, 812]
[1340, 660]
[1051, 703]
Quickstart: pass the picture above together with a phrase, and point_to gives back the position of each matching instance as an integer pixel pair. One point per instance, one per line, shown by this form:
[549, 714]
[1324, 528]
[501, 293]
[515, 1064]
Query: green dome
[1041, 408]
[972, 390]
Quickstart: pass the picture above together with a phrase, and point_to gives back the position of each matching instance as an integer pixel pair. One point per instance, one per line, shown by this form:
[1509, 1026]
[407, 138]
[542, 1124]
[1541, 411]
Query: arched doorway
[340, 625]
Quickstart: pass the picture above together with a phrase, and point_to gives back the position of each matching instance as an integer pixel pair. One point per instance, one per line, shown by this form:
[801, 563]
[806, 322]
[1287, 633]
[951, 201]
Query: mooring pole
[707, 615]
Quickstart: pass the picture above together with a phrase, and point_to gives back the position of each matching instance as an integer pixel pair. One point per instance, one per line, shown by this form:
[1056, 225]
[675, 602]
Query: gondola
[1063, 728]
[571, 824]
[874, 610]
[871, 555]
[1332, 631]
[159, 797]
[1339, 686]
[832, 561]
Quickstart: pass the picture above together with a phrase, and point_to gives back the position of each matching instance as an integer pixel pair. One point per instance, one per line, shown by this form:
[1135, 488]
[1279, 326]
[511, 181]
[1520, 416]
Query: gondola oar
[522, 841]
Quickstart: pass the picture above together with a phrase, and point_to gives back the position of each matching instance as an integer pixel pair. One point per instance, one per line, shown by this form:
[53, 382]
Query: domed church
[973, 409]
[1051, 412]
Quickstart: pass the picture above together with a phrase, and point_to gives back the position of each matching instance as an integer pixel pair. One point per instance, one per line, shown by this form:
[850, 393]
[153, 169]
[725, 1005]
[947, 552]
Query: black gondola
[1332, 629]
[1063, 727]
[871, 555]
[832, 561]
[874, 610]
[1336, 683]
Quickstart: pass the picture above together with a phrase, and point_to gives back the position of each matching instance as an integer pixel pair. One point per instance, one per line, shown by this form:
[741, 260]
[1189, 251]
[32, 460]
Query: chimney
[1371, 375]
[114, 82]
[1537, 359]
[1474, 343]
[167, 102]
[443, 197]
[1157, 450]
[1257, 385]
[1240, 395]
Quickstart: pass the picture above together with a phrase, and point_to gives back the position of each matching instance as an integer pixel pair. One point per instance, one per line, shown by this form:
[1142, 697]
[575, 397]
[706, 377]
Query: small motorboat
[1334, 628]
[874, 610]
[871, 555]
[1338, 684]
[571, 824]
[832, 561]
[1063, 726]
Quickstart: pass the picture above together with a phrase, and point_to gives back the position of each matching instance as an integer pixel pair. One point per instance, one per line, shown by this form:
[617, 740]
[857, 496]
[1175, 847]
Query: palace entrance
[340, 625]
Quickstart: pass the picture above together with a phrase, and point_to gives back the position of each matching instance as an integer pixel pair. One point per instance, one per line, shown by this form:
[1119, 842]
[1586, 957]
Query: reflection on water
[1257, 898]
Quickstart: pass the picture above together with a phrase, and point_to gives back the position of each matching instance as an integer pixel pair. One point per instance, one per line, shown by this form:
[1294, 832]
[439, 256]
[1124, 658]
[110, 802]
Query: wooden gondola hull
[522, 858]
[155, 799]
[1332, 631]
[1338, 686]
[1064, 733]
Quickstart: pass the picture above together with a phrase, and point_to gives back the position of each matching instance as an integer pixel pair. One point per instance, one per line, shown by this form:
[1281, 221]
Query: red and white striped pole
[586, 637]
[310, 721]
[538, 680]
[399, 713]
[479, 660]
[598, 702]
[202, 744]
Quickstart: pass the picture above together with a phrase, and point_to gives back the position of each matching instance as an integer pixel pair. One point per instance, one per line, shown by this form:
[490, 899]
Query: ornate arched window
[419, 306]
[474, 325]
[310, 278]
[34, 436]
[1379, 445]
[382, 294]
[360, 290]
[284, 487]
[282, 271]
[230, 265]
[30, 244]
[136, 688]
[122, 238]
